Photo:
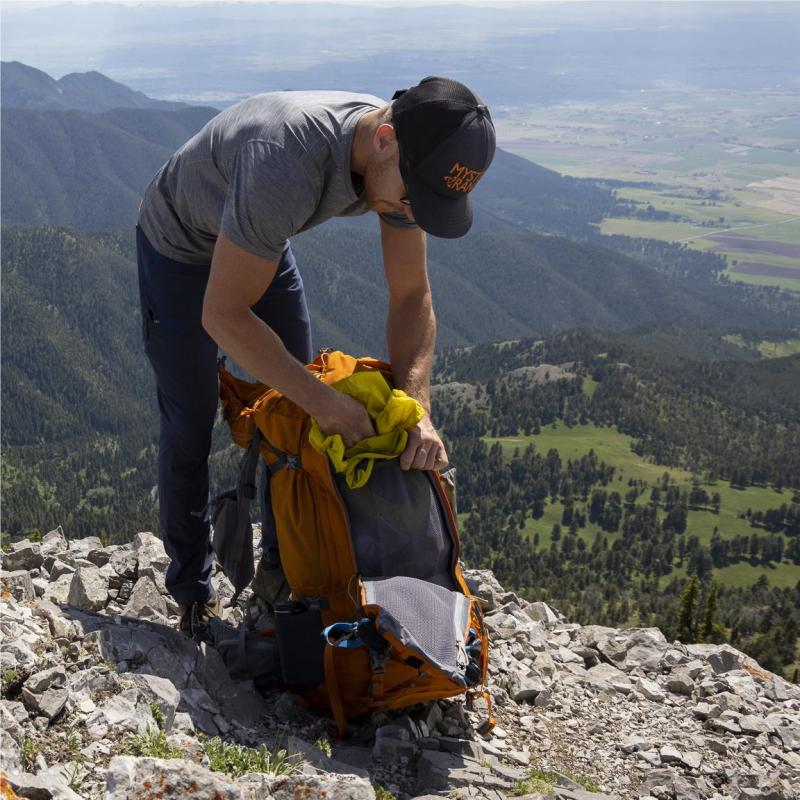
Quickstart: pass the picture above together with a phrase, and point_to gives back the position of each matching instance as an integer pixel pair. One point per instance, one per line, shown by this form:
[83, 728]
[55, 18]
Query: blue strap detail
[342, 634]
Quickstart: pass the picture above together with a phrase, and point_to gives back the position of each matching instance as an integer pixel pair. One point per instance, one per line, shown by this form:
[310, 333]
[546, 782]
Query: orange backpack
[380, 615]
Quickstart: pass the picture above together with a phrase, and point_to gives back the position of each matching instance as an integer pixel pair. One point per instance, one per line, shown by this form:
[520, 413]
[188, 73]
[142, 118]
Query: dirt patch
[770, 270]
[780, 194]
[738, 243]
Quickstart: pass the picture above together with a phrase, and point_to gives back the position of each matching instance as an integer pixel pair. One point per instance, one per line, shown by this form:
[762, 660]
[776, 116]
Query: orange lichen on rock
[6, 792]
[756, 672]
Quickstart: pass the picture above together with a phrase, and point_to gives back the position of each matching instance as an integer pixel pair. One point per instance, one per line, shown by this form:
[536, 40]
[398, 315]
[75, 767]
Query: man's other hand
[347, 417]
[424, 449]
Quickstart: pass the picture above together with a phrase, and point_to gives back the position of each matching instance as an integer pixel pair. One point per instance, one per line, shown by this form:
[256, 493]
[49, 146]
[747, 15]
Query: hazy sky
[213, 51]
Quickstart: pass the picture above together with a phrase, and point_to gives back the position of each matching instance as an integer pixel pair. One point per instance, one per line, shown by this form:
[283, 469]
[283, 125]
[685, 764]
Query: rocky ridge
[102, 697]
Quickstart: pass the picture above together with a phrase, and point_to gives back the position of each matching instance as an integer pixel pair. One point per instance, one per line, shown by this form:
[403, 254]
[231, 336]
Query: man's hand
[424, 449]
[347, 417]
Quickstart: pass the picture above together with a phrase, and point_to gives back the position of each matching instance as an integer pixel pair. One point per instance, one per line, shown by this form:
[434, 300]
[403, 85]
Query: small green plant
[382, 793]
[539, 781]
[74, 744]
[29, 750]
[157, 714]
[151, 743]
[237, 760]
[324, 746]
[11, 675]
[66, 746]
[74, 774]
[590, 784]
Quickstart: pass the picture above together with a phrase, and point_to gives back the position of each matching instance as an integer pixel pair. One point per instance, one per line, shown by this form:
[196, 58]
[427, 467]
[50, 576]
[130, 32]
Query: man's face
[383, 183]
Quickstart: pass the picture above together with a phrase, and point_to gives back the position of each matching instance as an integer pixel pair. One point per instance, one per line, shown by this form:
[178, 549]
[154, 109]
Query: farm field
[614, 448]
[769, 349]
[725, 168]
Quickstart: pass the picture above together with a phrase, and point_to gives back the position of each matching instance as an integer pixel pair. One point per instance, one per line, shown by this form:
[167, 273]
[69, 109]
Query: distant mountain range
[28, 87]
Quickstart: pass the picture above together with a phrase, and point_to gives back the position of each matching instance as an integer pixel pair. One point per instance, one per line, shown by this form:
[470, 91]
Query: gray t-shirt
[260, 171]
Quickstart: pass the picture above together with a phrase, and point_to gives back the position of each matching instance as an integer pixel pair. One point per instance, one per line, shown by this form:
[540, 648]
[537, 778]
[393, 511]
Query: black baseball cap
[446, 141]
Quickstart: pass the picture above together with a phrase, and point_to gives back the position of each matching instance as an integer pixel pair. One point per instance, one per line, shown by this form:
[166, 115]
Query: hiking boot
[270, 583]
[195, 617]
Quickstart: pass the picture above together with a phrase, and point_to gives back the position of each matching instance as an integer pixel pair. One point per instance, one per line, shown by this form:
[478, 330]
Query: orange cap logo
[461, 178]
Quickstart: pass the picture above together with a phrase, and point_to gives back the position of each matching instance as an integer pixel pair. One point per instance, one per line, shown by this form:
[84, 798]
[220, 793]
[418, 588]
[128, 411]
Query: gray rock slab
[58, 590]
[129, 778]
[387, 749]
[650, 689]
[631, 744]
[48, 704]
[55, 677]
[118, 713]
[305, 787]
[301, 749]
[145, 594]
[541, 612]
[162, 692]
[88, 589]
[680, 682]
[24, 555]
[609, 677]
[564, 793]
[99, 557]
[165, 652]
[464, 747]
[438, 770]
[523, 686]
[634, 647]
[18, 584]
[80, 548]
[483, 584]
[54, 542]
[590, 635]
[670, 754]
[123, 562]
[60, 568]
[356, 757]
[48, 784]
[10, 753]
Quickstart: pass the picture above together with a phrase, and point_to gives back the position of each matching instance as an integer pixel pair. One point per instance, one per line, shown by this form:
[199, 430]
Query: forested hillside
[605, 473]
[85, 170]
[75, 376]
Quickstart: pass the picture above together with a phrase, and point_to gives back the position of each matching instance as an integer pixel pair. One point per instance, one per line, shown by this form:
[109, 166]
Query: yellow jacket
[392, 412]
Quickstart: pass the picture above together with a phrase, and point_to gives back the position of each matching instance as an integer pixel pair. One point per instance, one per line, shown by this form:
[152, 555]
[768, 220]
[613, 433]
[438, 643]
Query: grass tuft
[152, 743]
[324, 746]
[237, 760]
[542, 781]
[157, 715]
[29, 749]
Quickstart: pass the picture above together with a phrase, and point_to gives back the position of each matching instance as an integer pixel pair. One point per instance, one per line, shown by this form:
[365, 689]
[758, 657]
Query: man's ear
[385, 136]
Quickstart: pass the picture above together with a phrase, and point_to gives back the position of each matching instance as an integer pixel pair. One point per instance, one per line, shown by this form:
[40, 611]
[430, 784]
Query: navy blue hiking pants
[184, 359]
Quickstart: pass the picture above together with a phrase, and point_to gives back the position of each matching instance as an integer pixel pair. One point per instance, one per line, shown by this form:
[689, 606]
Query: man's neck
[362, 142]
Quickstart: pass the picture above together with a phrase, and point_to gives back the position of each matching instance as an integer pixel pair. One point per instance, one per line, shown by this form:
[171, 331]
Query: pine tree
[710, 628]
[688, 604]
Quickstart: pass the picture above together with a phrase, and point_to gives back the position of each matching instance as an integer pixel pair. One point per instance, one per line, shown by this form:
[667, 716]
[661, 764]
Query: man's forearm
[261, 353]
[411, 337]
